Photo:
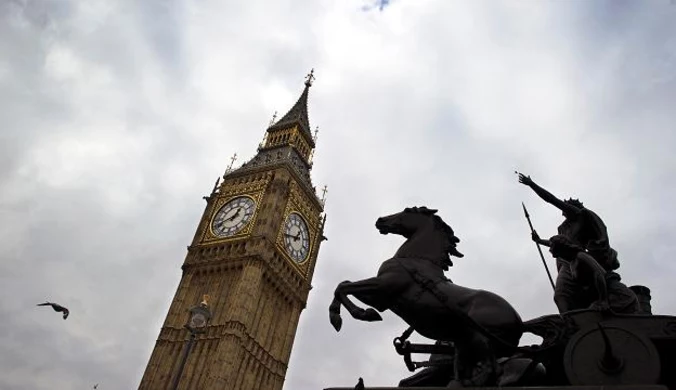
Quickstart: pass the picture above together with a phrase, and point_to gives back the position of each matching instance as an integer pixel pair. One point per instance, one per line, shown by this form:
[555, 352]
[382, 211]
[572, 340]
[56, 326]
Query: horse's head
[412, 220]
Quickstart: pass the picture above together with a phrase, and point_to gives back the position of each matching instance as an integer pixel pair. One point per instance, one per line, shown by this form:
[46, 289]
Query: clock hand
[234, 216]
[226, 217]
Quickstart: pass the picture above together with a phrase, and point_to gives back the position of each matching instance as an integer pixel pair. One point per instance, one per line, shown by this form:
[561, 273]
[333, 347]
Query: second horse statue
[482, 325]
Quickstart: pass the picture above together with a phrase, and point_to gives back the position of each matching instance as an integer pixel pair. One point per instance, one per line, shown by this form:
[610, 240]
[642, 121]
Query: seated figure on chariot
[588, 284]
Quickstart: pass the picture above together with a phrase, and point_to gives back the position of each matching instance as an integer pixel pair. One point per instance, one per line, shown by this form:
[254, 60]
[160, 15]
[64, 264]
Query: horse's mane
[446, 229]
[438, 222]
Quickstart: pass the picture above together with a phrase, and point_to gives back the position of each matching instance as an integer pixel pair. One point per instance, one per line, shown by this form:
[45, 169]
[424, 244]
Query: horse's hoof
[336, 321]
[371, 315]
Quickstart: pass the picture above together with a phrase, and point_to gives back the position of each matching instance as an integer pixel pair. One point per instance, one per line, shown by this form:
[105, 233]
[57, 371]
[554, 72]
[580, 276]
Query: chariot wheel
[608, 355]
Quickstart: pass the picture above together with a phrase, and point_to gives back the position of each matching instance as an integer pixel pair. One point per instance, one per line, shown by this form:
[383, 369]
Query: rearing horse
[482, 325]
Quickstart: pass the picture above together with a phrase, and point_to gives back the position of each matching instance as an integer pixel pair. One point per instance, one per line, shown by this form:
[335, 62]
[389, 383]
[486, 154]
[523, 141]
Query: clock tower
[253, 254]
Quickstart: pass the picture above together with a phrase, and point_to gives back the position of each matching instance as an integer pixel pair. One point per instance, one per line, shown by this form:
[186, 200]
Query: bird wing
[59, 308]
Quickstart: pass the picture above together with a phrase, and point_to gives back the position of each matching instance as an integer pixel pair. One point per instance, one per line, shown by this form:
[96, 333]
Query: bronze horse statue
[482, 325]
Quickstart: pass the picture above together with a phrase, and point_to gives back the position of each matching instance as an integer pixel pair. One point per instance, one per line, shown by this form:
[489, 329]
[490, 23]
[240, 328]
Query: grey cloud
[103, 169]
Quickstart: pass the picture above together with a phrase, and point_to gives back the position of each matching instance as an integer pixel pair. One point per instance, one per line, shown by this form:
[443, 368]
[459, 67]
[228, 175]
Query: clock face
[296, 237]
[198, 321]
[233, 216]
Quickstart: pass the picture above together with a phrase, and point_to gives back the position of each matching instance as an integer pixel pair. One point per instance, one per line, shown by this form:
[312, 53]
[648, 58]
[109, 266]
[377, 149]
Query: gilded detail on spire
[310, 77]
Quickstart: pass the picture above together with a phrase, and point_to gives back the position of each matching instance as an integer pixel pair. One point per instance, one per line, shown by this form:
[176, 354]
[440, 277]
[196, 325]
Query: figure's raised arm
[566, 208]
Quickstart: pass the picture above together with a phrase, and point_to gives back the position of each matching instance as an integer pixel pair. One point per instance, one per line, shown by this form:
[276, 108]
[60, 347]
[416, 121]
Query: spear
[538, 245]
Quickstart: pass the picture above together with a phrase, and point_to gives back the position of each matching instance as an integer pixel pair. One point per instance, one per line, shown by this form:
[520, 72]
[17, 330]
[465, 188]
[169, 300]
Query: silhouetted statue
[604, 289]
[643, 295]
[517, 370]
[57, 308]
[439, 368]
[360, 384]
[482, 325]
[583, 228]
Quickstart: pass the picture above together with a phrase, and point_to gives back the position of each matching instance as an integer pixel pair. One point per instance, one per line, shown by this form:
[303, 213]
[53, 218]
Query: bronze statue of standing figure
[584, 259]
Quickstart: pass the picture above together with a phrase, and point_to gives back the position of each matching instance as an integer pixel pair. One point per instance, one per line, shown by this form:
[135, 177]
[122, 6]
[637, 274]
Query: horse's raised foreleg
[368, 291]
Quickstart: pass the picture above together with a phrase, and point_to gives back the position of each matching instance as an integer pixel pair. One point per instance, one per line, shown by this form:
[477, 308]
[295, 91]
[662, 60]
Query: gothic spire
[297, 115]
[288, 142]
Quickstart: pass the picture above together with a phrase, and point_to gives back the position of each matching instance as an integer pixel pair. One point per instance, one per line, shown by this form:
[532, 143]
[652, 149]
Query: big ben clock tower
[253, 254]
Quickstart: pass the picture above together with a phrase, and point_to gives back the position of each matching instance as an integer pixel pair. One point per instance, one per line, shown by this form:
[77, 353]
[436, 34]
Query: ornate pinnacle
[314, 136]
[310, 77]
[232, 161]
[324, 190]
[274, 116]
[213, 191]
[262, 144]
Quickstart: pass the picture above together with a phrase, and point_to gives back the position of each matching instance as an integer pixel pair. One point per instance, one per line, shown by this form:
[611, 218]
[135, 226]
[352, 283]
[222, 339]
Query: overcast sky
[117, 116]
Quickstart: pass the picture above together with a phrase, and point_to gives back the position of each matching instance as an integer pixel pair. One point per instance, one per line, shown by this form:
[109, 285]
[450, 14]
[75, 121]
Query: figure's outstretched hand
[525, 180]
[535, 236]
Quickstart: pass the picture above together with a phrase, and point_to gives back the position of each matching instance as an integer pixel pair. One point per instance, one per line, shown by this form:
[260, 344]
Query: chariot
[583, 347]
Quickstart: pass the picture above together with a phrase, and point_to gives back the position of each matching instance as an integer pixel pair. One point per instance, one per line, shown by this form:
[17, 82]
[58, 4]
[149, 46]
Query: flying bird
[57, 308]
[360, 384]
[96, 386]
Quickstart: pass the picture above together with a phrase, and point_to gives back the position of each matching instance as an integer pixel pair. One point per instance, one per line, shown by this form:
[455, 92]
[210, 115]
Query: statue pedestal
[618, 387]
